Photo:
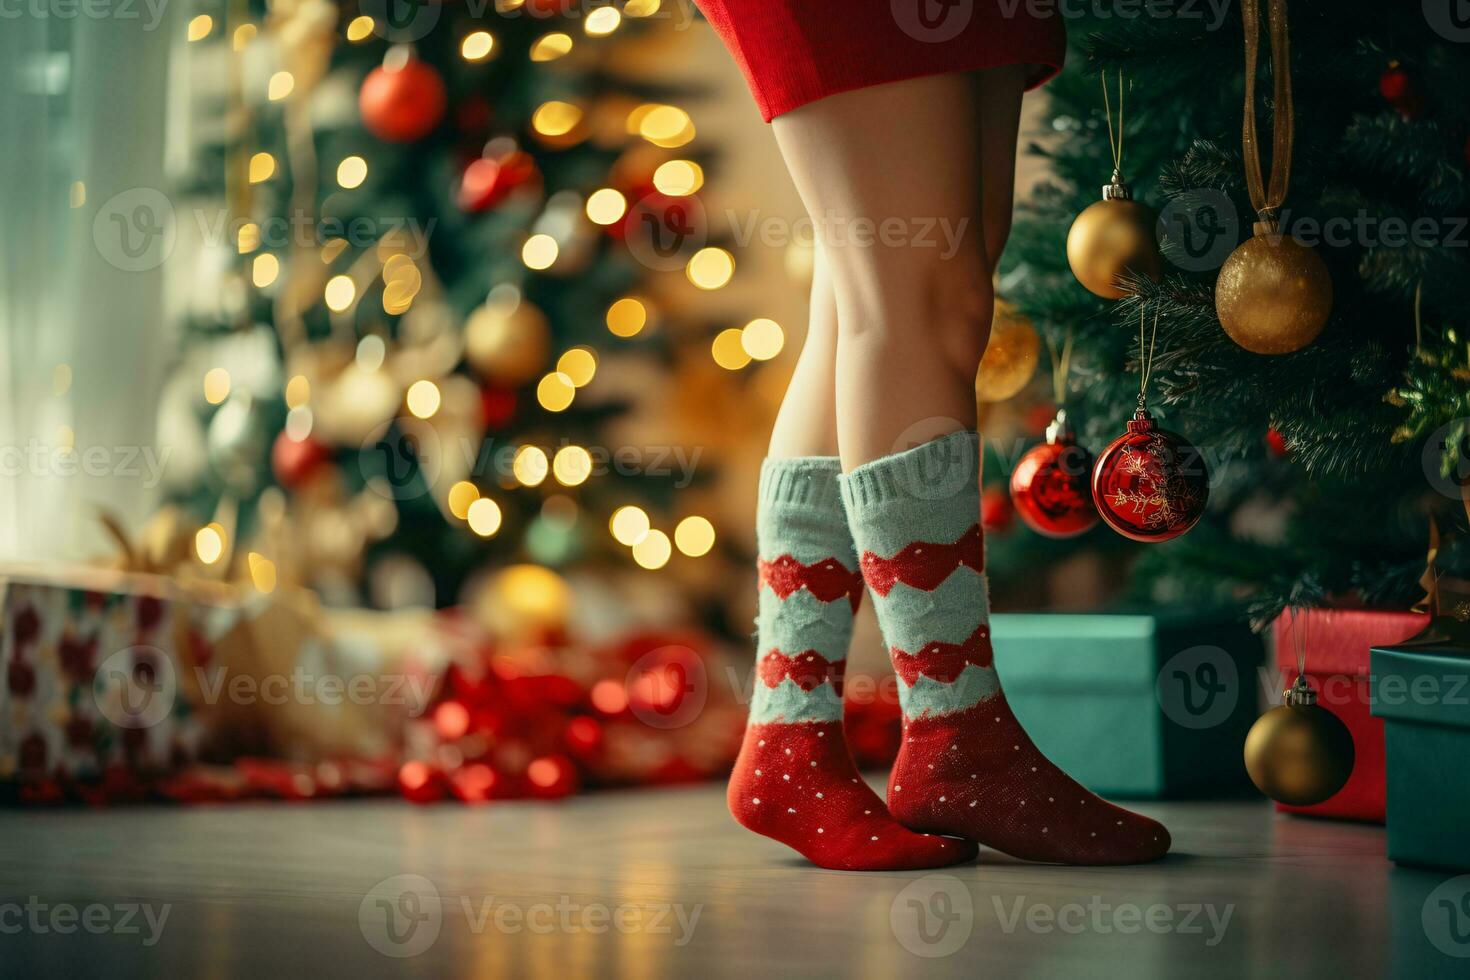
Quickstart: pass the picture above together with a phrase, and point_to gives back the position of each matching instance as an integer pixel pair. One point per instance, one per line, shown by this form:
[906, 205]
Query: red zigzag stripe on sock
[944, 662]
[808, 670]
[827, 579]
[923, 564]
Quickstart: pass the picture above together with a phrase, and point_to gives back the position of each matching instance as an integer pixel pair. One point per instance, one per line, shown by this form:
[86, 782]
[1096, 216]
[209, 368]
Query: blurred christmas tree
[443, 225]
[1327, 462]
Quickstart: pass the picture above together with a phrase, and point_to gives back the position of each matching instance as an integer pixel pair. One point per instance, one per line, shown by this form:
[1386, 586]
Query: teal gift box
[1423, 696]
[1151, 705]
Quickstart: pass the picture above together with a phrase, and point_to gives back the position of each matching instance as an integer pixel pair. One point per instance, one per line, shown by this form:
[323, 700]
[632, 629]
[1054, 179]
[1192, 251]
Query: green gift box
[1150, 705]
[1423, 696]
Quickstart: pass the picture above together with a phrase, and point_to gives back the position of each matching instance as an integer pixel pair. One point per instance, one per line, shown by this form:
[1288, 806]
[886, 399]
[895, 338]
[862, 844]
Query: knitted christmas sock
[966, 767]
[795, 780]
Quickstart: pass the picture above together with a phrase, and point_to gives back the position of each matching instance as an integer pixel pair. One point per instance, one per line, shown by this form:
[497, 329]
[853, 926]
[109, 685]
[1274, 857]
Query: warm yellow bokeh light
[209, 543]
[551, 47]
[571, 466]
[461, 495]
[298, 391]
[678, 178]
[641, 8]
[281, 85]
[728, 351]
[539, 252]
[484, 517]
[694, 536]
[262, 572]
[664, 125]
[710, 268]
[264, 269]
[340, 293]
[351, 172]
[244, 34]
[61, 379]
[626, 317]
[248, 239]
[477, 46]
[602, 21]
[555, 392]
[77, 195]
[606, 206]
[332, 248]
[423, 398]
[762, 339]
[262, 167]
[555, 118]
[370, 353]
[216, 385]
[629, 525]
[360, 28]
[653, 551]
[530, 466]
[200, 27]
[579, 365]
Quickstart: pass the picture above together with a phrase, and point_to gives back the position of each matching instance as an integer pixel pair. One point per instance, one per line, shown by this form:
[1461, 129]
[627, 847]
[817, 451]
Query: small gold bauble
[1273, 294]
[1299, 753]
[1112, 238]
[507, 341]
[1010, 356]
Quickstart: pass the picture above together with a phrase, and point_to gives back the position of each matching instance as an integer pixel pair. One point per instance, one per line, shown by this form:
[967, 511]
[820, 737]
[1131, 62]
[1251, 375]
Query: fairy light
[248, 238]
[340, 293]
[606, 206]
[262, 167]
[641, 8]
[678, 178]
[530, 466]
[200, 27]
[551, 47]
[423, 398]
[77, 196]
[264, 269]
[571, 466]
[629, 525]
[351, 172]
[461, 496]
[664, 125]
[332, 248]
[654, 551]
[627, 317]
[360, 28]
[209, 543]
[298, 391]
[370, 353]
[539, 252]
[728, 351]
[555, 392]
[262, 572]
[298, 423]
[762, 339]
[216, 385]
[694, 536]
[484, 517]
[477, 46]
[710, 268]
[602, 21]
[282, 83]
[244, 34]
[579, 365]
[555, 118]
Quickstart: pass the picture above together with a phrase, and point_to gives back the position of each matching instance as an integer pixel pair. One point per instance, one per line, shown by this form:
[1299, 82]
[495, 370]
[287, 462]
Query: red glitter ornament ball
[1149, 484]
[402, 103]
[1051, 484]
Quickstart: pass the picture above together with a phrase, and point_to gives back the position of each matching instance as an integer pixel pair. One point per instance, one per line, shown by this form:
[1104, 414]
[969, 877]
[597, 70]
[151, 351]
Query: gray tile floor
[663, 884]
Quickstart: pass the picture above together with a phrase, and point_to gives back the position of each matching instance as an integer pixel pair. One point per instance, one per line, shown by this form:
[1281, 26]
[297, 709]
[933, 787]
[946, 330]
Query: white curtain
[84, 195]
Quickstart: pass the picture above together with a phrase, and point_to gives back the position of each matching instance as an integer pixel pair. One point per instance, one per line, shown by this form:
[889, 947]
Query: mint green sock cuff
[928, 493]
[805, 481]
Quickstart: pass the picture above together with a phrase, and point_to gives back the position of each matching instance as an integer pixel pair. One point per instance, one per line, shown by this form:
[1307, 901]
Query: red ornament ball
[1150, 484]
[1051, 485]
[402, 103]
[1401, 91]
[294, 461]
[996, 512]
[1276, 443]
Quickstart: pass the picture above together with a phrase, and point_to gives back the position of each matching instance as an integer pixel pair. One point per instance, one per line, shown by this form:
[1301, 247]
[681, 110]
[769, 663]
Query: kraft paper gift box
[1134, 705]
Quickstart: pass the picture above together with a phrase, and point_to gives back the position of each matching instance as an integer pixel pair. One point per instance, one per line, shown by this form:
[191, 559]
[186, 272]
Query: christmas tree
[445, 222]
[1334, 463]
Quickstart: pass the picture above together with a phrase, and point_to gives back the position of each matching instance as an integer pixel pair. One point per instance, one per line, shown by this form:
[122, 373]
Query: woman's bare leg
[806, 424]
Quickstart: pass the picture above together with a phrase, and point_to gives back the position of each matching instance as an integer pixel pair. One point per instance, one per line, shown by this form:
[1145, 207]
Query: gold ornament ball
[507, 342]
[1111, 238]
[1010, 356]
[521, 603]
[1273, 294]
[1299, 754]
